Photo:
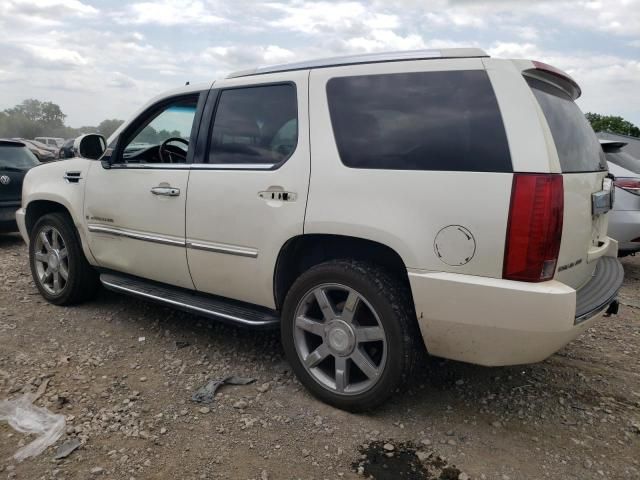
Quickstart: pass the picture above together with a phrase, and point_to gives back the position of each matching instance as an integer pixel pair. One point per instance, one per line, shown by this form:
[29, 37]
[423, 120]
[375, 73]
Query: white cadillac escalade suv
[368, 206]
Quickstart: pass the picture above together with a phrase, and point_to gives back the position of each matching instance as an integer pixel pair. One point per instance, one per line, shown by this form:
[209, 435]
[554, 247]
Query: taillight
[631, 185]
[534, 230]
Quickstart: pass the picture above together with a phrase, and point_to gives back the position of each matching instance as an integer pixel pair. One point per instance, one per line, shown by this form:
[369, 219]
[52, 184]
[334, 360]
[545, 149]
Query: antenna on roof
[187, 82]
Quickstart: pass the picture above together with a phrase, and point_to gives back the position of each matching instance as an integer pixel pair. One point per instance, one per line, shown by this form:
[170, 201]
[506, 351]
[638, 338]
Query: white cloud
[231, 58]
[377, 40]
[56, 56]
[170, 13]
[80, 52]
[43, 12]
[323, 17]
[514, 50]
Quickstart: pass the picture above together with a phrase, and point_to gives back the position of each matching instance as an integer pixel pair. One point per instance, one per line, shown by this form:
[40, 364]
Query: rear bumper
[493, 322]
[599, 292]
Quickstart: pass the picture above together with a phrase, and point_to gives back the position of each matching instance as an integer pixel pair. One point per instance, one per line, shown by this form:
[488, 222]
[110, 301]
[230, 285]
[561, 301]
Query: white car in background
[54, 142]
[624, 222]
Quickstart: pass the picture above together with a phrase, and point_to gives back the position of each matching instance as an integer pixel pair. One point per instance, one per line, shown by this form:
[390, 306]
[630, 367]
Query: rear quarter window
[419, 121]
[577, 145]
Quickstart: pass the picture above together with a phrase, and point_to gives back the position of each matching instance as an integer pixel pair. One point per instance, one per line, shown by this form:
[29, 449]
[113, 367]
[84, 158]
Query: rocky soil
[123, 371]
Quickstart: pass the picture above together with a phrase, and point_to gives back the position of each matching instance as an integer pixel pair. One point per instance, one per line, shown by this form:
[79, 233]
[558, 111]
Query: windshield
[624, 160]
[577, 145]
[14, 156]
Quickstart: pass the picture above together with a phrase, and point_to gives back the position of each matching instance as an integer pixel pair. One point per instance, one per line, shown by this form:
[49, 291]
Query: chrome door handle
[166, 191]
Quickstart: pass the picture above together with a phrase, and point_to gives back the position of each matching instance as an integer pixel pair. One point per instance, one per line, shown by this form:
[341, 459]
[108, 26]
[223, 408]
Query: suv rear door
[586, 186]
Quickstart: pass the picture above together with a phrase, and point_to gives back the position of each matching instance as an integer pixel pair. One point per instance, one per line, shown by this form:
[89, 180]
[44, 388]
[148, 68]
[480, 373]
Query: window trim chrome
[233, 166]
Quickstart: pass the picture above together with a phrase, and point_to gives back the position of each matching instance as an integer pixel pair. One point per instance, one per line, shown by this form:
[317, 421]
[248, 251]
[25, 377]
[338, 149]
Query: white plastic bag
[25, 417]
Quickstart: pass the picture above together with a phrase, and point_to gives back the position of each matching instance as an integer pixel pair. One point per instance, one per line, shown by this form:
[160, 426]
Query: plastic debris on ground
[67, 448]
[24, 417]
[207, 393]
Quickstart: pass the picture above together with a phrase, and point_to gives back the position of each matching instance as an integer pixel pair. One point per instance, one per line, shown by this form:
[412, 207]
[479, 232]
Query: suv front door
[249, 196]
[135, 210]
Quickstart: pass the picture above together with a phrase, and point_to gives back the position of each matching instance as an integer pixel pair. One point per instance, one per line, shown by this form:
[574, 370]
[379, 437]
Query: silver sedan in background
[624, 221]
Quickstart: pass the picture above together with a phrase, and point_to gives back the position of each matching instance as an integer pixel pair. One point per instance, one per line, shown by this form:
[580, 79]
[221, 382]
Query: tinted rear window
[419, 121]
[16, 157]
[624, 160]
[577, 145]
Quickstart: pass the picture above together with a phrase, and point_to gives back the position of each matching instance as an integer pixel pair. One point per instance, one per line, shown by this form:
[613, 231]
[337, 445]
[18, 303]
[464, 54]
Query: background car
[15, 160]
[66, 150]
[624, 222]
[42, 152]
[55, 142]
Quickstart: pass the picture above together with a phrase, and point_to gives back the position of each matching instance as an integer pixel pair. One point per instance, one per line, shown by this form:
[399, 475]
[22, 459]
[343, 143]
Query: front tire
[58, 265]
[350, 334]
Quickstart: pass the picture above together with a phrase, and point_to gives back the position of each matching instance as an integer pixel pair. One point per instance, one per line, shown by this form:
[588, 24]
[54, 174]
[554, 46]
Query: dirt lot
[123, 372]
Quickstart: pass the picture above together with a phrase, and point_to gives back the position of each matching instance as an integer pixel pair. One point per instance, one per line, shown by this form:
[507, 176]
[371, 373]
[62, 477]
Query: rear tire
[58, 265]
[350, 333]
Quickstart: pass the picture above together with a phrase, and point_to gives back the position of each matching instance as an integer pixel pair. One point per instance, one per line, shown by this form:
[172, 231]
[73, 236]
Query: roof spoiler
[555, 76]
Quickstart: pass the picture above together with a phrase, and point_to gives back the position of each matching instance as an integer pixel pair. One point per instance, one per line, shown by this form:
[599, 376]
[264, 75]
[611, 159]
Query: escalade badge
[4, 179]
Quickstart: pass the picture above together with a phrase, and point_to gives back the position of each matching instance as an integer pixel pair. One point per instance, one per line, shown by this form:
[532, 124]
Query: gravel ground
[122, 371]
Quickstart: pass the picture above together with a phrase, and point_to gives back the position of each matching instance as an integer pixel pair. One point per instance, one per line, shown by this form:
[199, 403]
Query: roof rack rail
[365, 58]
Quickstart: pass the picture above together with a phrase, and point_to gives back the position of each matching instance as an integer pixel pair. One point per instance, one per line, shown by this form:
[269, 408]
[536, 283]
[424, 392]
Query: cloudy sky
[103, 58]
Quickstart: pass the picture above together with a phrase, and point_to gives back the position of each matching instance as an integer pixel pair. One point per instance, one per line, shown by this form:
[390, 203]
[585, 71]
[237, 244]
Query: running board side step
[217, 308]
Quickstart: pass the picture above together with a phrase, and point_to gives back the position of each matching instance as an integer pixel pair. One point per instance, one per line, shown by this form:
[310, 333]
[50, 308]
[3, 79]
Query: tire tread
[84, 278]
[398, 298]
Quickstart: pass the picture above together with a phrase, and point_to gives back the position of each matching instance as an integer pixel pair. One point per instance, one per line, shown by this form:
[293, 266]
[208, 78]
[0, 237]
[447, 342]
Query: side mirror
[90, 146]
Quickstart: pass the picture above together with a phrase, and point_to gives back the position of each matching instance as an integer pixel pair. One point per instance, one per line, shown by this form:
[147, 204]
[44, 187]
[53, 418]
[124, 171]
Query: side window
[419, 121]
[255, 125]
[162, 135]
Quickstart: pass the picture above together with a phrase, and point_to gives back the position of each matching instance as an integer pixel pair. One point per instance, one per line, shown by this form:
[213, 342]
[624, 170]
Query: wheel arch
[38, 208]
[302, 252]
[35, 209]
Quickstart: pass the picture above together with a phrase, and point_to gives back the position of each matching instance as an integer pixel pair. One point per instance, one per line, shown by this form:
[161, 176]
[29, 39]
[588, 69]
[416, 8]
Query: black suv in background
[15, 161]
[66, 150]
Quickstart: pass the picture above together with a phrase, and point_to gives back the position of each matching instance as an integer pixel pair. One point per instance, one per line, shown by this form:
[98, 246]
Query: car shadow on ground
[10, 239]
[436, 382]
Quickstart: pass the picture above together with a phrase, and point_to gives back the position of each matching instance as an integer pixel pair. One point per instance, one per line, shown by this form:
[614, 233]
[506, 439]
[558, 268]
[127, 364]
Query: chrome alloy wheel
[51, 260]
[340, 339]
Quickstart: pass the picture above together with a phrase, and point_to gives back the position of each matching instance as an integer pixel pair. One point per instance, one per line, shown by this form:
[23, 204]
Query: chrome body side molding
[165, 240]
[146, 237]
[221, 248]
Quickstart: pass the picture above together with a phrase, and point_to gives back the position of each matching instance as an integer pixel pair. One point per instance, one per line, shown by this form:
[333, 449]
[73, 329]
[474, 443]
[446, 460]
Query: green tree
[46, 113]
[33, 118]
[107, 127]
[147, 135]
[612, 124]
